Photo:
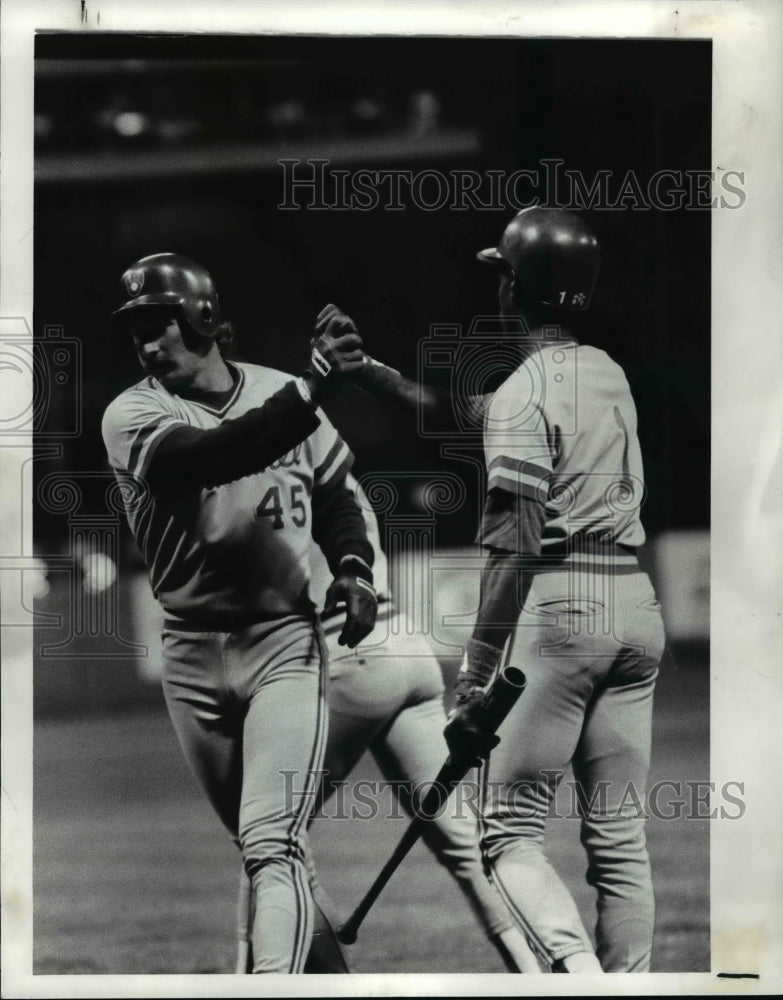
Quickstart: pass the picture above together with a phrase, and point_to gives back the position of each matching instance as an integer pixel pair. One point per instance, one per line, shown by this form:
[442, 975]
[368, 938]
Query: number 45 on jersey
[272, 505]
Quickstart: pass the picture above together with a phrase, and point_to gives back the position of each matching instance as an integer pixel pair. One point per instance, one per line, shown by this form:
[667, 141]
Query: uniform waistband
[584, 555]
[233, 622]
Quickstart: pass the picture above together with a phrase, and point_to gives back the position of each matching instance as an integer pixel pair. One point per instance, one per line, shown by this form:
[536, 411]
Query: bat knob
[346, 934]
[514, 677]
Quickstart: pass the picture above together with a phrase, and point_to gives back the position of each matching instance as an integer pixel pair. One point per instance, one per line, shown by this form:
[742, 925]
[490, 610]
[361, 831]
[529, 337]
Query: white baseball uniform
[561, 432]
[244, 670]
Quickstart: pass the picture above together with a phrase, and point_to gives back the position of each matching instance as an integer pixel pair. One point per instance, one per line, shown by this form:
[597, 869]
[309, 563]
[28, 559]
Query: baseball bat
[497, 703]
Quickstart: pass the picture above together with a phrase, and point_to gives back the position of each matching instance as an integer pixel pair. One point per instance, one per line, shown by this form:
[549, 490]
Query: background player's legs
[394, 704]
[411, 751]
[352, 728]
[611, 765]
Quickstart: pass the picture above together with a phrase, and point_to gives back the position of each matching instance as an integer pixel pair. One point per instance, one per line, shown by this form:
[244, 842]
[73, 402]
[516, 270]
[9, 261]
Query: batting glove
[465, 738]
[336, 349]
[464, 735]
[353, 587]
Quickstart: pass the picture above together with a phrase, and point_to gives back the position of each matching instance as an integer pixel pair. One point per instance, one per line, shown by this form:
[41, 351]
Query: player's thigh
[370, 689]
[363, 693]
[411, 747]
[284, 732]
[210, 736]
[612, 759]
[613, 756]
[556, 648]
[392, 667]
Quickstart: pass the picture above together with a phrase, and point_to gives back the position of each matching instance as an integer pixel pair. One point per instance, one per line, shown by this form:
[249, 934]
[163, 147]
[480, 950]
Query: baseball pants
[249, 710]
[590, 645]
[388, 696]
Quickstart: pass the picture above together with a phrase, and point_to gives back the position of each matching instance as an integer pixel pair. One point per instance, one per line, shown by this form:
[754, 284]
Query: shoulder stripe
[144, 445]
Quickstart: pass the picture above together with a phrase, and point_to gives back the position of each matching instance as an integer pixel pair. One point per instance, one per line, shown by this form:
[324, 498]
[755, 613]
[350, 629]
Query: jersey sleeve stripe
[510, 464]
[340, 463]
[519, 484]
[335, 450]
[145, 445]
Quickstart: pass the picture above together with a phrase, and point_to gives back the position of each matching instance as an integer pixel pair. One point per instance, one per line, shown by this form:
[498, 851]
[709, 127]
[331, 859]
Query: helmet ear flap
[508, 284]
[206, 317]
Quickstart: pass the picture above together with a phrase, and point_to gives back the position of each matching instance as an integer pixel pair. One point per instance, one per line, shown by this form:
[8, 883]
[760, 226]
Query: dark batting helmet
[170, 282]
[554, 255]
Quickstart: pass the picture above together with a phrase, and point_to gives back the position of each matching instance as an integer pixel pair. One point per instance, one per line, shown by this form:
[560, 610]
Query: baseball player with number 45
[563, 598]
[228, 471]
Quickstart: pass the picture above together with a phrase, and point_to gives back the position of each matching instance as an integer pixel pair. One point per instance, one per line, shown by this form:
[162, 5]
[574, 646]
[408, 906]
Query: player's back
[566, 417]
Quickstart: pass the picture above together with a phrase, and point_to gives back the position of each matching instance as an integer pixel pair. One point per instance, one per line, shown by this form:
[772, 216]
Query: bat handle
[505, 690]
[500, 697]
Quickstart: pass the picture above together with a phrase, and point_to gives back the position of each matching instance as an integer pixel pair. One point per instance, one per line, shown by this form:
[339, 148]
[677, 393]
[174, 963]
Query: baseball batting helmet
[175, 283]
[554, 255]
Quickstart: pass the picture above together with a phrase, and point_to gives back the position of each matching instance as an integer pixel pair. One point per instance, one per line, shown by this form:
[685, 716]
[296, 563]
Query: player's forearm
[188, 457]
[504, 587]
[390, 384]
[339, 527]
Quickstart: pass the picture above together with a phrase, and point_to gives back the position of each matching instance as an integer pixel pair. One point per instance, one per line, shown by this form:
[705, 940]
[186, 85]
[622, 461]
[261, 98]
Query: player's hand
[336, 349]
[331, 319]
[466, 739]
[353, 587]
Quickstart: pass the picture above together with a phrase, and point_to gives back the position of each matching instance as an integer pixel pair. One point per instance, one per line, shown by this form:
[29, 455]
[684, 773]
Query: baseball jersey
[562, 430]
[236, 551]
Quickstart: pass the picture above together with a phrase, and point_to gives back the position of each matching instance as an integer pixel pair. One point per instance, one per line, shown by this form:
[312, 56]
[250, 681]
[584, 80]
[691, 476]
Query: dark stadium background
[153, 143]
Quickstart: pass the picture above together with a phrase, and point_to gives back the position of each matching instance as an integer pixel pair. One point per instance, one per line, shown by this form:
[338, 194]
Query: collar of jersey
[223, 410]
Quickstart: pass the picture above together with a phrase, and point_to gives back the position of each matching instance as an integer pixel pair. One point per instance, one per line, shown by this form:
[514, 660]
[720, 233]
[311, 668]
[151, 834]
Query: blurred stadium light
[108, 120]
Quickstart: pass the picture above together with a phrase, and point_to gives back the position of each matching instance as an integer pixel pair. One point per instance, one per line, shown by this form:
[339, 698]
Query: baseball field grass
[134, 875]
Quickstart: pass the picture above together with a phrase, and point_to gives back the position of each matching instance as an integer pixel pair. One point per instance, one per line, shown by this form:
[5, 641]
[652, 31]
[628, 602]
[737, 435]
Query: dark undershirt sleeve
[512, 523]
[339, 527]
[187, 458]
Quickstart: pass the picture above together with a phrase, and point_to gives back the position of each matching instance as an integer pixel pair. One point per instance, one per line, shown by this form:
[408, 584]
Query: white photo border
[746, 666]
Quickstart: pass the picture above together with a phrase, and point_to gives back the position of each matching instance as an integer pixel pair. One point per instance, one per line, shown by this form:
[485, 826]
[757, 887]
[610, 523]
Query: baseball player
[564, 598]
[228, 470]
[387, 696]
